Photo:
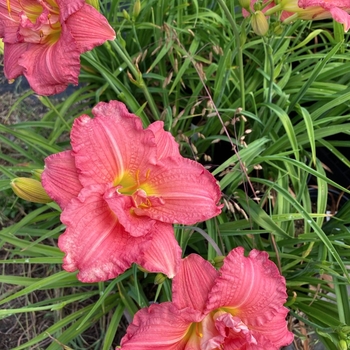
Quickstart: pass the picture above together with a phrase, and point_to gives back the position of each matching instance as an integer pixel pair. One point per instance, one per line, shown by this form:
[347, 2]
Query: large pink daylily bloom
[121, 188]
[320, 9]
[239, 307]
[43, 40]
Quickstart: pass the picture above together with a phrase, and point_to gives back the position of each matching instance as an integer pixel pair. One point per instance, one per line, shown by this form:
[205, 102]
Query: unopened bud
[346, 329]
[1, 47]
[259, 23]
[93, 3]
[159, 279]
[30, 189]
[137, 9]
[126, 15]
[342, 345]
[218, 261]
[245, 4]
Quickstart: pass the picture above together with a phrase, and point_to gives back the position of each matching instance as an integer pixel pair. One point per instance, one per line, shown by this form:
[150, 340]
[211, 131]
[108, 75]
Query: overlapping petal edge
[49, 64]
[121, 188]
[238, 307]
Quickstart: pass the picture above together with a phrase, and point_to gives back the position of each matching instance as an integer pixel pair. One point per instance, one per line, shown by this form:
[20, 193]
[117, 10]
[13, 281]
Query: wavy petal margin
[111, 144]
[95, 243]
[166, 144]
[251, 286]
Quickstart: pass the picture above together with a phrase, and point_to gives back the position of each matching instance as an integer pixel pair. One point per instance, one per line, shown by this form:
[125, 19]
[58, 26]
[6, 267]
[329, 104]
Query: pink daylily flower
[121, 188]
[239, 307]
[43, 40]
[320, 9]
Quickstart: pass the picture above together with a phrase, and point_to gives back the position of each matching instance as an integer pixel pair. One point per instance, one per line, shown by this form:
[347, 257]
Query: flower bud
[160, 278]
[245, 4]
[126, 15]
[93, 3]
[137, 9]
[1, 47]
[30, 189]
[218, 261]
[342, 345]
[259, 23]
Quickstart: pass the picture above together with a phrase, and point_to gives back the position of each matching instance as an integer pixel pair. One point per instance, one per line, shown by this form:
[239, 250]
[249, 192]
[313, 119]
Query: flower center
[220, 328]
[136, 186]
[38, 23]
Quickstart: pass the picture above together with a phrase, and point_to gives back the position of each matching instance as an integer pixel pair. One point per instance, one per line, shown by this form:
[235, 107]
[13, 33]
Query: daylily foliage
[43, 40]
[121, 188]
[238, 307]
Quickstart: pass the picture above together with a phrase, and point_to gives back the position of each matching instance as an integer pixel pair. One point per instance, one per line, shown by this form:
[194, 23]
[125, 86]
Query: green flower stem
[239, 49]
[138, 77]
[273, 10]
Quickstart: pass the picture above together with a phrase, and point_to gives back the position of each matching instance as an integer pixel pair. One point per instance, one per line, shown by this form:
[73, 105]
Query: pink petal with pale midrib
[94, 242]
[60, 178]
[252, 286]
[190, 193]
[111, 144]
[160, 327]
[163, 254]
[89, 28]
[193, 282]
[50, 68]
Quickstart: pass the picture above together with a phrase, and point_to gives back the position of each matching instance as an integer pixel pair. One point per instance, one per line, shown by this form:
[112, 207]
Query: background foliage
[268, 116]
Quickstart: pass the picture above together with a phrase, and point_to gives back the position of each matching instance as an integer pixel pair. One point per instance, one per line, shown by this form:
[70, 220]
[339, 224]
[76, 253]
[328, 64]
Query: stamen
[51, 25]
[137, 177]
[198, 331]
[49, 7]
[8, 6]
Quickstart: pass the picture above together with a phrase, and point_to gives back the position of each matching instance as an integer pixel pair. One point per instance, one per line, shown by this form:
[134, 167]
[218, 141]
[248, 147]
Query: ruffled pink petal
[211, 338]
[189, 192]
[8, 27]
[341, 16]
[12, 53]
[50, 68]
[324, 3]
[161, 327]
[166, 144]
[122, 205]
[193, 282]
[275, 331]
[67, 8]
[251, 286]
[111, 145]
[94, 242]
[163, 254]
[89, 28]
[60, 178]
